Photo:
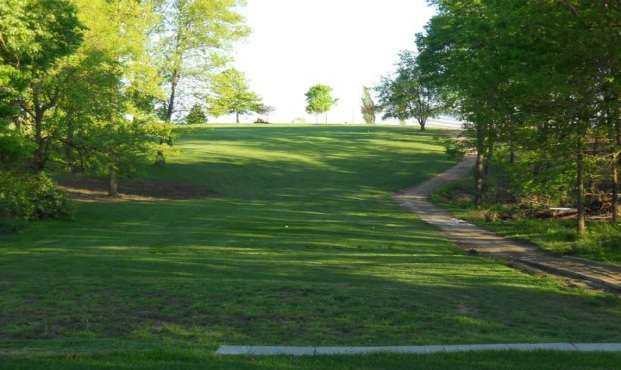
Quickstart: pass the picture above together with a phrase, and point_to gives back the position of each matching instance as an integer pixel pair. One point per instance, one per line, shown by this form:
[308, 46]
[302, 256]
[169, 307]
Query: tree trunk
[616, 206]
[423, 124]
[479, 170]
[113, 184]
[478, 179]
[160, 159]
[581, 222]
[69, 144]
[326, 118]
[39, 154]
[615, 188]
[171, 101]
[511, 148]
[237, 117]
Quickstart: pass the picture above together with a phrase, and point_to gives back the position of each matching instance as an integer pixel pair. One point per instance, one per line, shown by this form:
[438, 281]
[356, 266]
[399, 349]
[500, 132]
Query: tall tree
[319, 100]
[231, 94]
[193, 39]
[368, 108]
[524, 79]
[31, 43]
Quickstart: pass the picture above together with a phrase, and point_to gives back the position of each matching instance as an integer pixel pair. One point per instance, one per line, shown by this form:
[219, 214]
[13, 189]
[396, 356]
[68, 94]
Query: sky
[346, 44]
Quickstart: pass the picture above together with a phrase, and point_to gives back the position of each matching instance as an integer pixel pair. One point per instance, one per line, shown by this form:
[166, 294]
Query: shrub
[31, 197]
[196, 116]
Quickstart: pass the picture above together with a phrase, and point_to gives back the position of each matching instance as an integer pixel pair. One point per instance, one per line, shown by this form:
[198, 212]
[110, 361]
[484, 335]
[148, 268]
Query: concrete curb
[348, 351]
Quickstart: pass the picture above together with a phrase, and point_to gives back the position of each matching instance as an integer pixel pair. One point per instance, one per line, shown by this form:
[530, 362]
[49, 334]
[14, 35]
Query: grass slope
[303, 245]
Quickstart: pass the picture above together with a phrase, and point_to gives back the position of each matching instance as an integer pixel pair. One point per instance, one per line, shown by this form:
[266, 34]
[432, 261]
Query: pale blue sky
[343, 43]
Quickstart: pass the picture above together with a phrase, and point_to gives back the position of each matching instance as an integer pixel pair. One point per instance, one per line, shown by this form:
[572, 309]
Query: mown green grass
[303, 245]
[194, 359]
[602, 242]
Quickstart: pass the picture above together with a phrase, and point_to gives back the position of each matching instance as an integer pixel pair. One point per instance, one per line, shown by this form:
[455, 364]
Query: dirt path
[483, 242]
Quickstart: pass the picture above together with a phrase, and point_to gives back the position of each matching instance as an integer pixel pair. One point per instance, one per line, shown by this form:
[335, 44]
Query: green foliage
[545, 80]
[14, 149]
[93, 110]
[196, 116]
[232, 95]
[35, 33]
[455, 149]
[319, 100]
[517, 203]
[31, 197]
[194, 38]
[368, 108]
[31, 41]
[408, 95]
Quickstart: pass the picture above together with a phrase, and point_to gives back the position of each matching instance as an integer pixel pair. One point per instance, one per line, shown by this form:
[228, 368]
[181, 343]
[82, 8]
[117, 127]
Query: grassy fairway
[302, 245]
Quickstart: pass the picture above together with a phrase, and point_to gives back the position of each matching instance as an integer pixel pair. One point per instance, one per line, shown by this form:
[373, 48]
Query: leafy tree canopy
[319, 99]
[231, 94]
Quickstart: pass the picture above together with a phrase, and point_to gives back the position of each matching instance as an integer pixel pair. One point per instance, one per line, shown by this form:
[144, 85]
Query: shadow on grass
[304, 247]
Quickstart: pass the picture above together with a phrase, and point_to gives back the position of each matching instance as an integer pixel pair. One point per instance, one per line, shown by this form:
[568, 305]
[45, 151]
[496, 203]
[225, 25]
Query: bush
[196, 116]
[31, 197]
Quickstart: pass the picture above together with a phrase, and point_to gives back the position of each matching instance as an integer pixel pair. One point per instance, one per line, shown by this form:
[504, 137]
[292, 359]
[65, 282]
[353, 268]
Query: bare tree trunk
[237, 117]
[170, 110]
[423, 124]
[478, 179]
[615, 188]
[326, 118]
[511, 147]
[581, 222]
[113, 184]
[479, 170]
[69, 144]
[616, 163]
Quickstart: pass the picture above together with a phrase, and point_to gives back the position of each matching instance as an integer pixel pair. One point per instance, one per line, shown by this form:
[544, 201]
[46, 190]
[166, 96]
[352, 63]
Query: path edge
[231, 350]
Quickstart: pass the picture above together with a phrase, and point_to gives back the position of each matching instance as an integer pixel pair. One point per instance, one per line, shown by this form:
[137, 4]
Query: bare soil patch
[96, 190]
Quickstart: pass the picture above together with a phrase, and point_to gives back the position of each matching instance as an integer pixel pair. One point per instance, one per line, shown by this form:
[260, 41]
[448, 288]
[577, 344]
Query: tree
[319, 100]
[408, 95]
[196, 116]
[232, 95]
[31, 42]
[96, 96]
[393, 100]
[524, 86]
[368, 109]
[192, 39]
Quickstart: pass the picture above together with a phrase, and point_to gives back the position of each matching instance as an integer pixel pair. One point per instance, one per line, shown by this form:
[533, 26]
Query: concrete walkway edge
[333, 351]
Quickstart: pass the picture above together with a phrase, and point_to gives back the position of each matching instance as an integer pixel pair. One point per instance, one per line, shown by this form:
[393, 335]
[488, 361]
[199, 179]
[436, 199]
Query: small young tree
[368, 109]
[196, 116]
[319, 100]
[119, 147]
[232, 95]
